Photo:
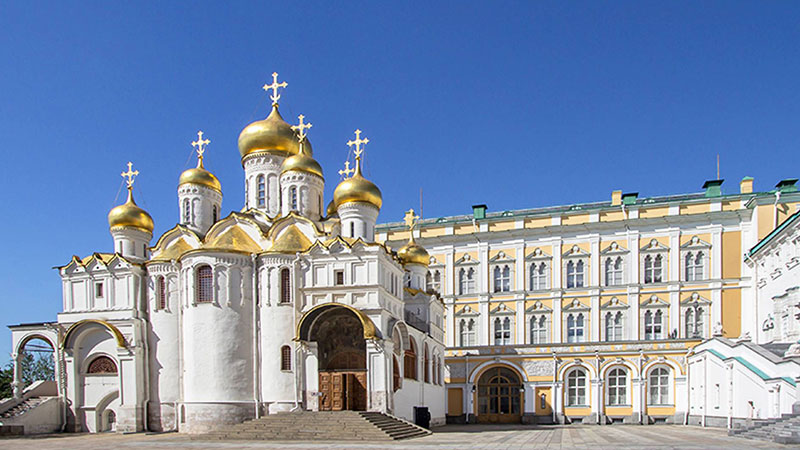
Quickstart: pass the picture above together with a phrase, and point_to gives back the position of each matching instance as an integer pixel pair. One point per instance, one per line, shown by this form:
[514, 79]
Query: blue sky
[512, 104]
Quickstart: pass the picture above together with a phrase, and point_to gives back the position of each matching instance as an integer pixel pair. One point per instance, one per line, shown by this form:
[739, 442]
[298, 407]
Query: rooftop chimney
[746, 185]
[713, 188]
[629, 198]
[616, 198]
[787, 185]
[478, 211]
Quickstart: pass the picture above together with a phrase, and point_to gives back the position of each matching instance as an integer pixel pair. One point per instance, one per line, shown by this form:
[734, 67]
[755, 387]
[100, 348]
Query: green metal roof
[773, 233]
[751, 367]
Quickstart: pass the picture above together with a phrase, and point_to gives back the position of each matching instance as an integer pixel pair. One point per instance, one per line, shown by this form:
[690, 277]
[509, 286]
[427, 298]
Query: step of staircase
[785, 430]
[22, 407]
[323, 425]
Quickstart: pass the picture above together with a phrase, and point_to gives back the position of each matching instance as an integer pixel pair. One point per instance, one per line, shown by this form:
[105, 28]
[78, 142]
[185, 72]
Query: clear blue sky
[513, 104]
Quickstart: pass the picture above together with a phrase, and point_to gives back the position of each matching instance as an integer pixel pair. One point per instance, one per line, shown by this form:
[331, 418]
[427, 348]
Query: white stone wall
[196, 205]
[309, 190]
[358, 220]
[269, 166]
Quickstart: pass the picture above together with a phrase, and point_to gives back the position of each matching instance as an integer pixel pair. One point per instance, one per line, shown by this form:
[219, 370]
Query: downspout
[754, 282]
[688, 388]
[256, 352]
[146, 400]
[775, 210]
[469, 388]
[295, 262]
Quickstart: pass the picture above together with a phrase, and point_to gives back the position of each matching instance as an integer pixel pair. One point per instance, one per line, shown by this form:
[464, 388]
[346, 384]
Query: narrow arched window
[538, 276]
[214, 214]
[293, 198]
[102, 365]
[204, 286]
[161, 293]
[427, 367]
[410, 361]
[286, 286]
[261, 191]
[352, 229]
[187, 213]
[286, 358]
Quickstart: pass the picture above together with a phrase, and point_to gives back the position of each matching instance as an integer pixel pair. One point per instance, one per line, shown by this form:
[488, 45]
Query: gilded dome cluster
[129, 215]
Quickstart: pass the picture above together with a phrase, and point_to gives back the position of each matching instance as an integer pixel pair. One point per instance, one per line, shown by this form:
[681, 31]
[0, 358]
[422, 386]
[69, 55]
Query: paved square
[451, 436]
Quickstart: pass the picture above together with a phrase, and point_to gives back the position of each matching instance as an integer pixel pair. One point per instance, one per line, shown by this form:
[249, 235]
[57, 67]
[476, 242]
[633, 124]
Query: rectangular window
[502, 331]
[98, 290]
[338, 277]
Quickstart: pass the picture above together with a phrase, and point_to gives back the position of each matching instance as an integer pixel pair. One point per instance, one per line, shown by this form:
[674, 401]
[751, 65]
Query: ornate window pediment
[501, 257]
[654, 246]
[538, 307]
[614, 303]
[614, 249]
[654, 301]
[538, 254]
[695, 243]
[502, 309]
[467, 311]
[695, 297]
[576, 252]
[576, 305]
[466, 259]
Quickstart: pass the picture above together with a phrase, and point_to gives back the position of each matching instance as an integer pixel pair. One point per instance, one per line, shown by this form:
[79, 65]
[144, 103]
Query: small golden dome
[413, 253]
[302, 162]
[130, 215]
[331, 209]
[271, 135]
[199, 175]
[357, 189]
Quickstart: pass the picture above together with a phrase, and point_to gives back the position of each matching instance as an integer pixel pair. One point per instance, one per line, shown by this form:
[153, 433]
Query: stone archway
[340, 335]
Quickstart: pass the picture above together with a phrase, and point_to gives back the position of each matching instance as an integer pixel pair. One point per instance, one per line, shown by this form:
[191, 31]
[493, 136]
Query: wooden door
[358, 392]
[333, 391]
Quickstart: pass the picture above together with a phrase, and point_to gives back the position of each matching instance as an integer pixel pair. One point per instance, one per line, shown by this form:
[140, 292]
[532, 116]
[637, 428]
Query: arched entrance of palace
[340, 333]
[500, 394]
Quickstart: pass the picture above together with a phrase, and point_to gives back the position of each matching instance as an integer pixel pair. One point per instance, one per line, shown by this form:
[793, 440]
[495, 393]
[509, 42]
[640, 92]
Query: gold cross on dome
[301, 127]
[410, 219]
[274, 86]
[200, 144]
[358, 142]
[347, 171]
[130, 175]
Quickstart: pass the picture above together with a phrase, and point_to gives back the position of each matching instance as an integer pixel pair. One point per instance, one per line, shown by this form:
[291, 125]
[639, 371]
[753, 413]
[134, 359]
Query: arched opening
[35, 362]
[500, 394]
[342, 349]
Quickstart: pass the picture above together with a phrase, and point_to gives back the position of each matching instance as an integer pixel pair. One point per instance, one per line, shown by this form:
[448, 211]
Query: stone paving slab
[459, 437]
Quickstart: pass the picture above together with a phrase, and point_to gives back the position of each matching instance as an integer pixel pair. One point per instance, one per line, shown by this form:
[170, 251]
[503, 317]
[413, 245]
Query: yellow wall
[619, 410]
[432, 232]
[463, 229]
[502, 226]
[539, 222]
[654, 212]
[611, 216]
[765, 220]
[732, 254]
[576, 219]
[731, 312]
[695, 209]
[548, 401]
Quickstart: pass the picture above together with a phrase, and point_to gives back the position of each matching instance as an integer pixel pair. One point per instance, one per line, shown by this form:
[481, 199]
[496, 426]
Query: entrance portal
[499, 396]
[339, 334]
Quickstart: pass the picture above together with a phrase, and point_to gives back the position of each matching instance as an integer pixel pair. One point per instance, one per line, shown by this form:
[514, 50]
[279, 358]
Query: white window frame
[576, 279]
[659, 384]
[501, 278]
[614, 276]
[652, 334]
[576, 382]
[464, 331]
[617, 386]
[467, 285]
[577, 330]
[538, 279]
[540, 333]
[505, 334]
[617, 329]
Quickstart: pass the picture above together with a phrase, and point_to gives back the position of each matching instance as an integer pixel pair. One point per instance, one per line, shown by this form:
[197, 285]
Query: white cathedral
[283, 306]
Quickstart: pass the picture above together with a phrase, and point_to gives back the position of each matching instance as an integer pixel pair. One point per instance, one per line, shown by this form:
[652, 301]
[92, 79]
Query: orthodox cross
[347, 171]
[274, 86]
[410, 219]
[358, 142]
[200, 143]
[301, 127]
[130, 175]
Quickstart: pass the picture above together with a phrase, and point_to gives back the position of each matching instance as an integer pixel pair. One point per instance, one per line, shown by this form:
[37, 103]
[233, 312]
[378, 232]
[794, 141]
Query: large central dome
[271, 135]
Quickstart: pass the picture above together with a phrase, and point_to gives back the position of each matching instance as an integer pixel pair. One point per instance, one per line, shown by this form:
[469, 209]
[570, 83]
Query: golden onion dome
[357, 189]
[302, 163]
[130, 215]
[271, 135]
[199, 175]
[413, 253]
[331, 209]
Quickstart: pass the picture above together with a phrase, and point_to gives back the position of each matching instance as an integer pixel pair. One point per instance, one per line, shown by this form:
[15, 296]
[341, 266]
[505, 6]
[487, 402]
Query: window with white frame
[576, 328]
[466, 332]
[204, 284]
[658, 382]
[575, 273]
[466, 281]
[576, 388]
[613, 268]
[539, 331]
[694, 265]
[694, 322]
[653, 268]
[433, 281]
[502, 278]
[261, 191]
[187, 210]
[614, 325]
[502, 331]
[653, 324]
[538, 276]
[618, 387]
[293, 198]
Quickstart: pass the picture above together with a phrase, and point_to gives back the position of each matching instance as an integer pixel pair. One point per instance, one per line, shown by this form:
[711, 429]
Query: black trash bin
[422, 417]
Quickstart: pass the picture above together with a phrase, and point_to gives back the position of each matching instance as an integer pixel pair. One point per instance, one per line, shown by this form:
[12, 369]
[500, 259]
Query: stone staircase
[20, 408]
[785, 430]
[323, 425]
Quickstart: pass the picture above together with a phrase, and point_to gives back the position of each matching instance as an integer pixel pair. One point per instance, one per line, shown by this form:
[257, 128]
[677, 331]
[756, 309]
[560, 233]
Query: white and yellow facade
[592, 309]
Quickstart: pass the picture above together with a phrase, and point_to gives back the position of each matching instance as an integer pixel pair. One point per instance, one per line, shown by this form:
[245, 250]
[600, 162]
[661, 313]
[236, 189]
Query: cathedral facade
[282, 306]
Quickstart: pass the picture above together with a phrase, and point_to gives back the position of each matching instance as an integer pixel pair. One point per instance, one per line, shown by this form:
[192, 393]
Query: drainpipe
[176, 266]
[256, 387]
[775, 210]
[688, 388]
[146, 406]
[469, 388]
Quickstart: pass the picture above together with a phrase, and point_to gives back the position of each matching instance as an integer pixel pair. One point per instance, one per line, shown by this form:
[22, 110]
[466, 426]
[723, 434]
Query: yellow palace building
[588, 312]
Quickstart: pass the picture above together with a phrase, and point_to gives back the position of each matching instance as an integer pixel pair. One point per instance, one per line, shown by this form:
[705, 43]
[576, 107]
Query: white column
[555, 271]
[674, 256]
[378, 370]
[449, 272]
[311, 362]
[485, 328]
[519, 270]
[450, 323]
[520, 321]
[17, 383]
[633, 319]
[483, 257]
[594, 261]
[557, 322]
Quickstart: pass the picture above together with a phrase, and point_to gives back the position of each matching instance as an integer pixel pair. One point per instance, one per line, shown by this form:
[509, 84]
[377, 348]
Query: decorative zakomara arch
[304, 326]
[79, 324]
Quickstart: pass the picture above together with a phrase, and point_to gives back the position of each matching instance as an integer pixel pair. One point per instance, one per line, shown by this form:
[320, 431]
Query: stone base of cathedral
[205, 417]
